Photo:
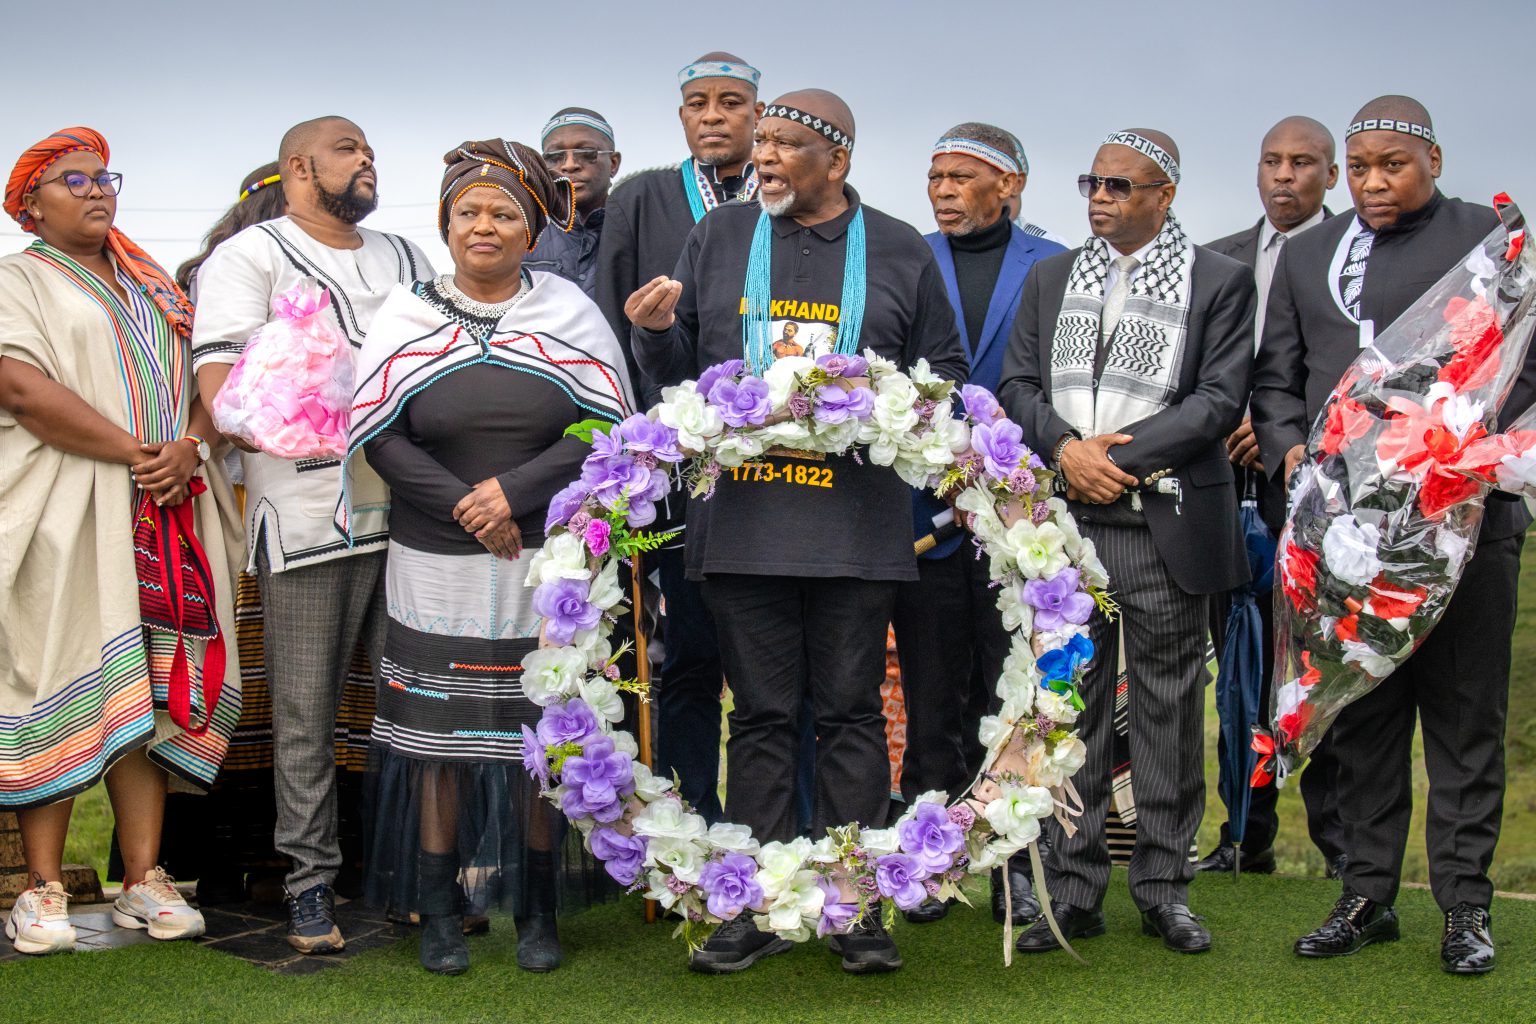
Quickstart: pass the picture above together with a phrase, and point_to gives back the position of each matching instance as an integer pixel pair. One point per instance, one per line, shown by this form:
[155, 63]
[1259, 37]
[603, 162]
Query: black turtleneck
[978, 261]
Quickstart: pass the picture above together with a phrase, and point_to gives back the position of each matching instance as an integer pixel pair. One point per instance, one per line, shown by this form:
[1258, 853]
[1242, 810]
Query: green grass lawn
[619, 969]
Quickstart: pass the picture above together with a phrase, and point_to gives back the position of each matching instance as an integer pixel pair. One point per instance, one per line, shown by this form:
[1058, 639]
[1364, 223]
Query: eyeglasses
[556, 157]
[79, 183]
[1119, 189]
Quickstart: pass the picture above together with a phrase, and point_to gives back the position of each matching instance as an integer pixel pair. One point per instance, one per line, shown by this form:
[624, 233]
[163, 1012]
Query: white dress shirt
[1264, 262]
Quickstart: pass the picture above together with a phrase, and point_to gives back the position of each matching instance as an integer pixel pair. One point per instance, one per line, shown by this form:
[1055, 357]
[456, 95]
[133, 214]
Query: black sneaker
[867, 948]
[1467, 947]
[1354, 923]
[736, 945]
[312, 921]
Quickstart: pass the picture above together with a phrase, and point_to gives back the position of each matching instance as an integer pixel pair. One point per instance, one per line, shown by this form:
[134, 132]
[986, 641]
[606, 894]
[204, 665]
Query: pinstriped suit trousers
[1165, 631]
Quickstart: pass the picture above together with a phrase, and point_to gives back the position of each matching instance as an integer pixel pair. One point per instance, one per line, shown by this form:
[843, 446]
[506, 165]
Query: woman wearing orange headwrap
[95, 377]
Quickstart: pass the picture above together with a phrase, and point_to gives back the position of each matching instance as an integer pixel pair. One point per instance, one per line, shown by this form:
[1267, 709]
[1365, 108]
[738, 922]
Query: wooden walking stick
[643, 676]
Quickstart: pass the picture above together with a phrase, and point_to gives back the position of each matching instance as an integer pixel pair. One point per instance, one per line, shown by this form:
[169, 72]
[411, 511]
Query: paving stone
[117, 938]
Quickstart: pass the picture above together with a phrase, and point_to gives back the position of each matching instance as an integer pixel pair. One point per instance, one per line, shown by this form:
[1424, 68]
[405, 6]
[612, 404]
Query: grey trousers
[1165, 632]
[314, 617]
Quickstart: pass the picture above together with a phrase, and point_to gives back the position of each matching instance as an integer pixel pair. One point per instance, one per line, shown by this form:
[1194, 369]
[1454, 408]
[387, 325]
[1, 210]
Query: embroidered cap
[1387, 124]
[578, 116]
[719, 69]
[816, 124]
[1147, 148]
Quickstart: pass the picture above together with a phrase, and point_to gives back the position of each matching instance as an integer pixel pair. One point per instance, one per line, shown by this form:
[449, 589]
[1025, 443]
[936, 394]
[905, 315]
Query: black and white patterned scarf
[1141, 367]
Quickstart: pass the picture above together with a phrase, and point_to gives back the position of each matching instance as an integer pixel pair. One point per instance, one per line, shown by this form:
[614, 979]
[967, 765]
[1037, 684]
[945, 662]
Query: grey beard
[779, 207]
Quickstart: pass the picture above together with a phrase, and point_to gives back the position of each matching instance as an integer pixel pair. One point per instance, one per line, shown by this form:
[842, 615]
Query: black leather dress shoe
[1354, 923]
[1021, 892]
[1074, 922]
[1221, 858]
[927, 912]
[1180, 930]
[1467, 947]
[736, 945]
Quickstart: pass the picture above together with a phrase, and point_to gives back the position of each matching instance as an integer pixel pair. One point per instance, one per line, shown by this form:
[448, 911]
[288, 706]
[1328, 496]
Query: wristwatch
[204, 452]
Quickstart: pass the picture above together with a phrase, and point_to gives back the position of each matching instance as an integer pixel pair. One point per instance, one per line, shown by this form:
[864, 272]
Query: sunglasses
[79, 183]
[1119, 189]
[556, 157]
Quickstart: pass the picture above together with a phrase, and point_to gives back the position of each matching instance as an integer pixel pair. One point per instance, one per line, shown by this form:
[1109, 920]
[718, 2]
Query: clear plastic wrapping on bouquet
[290, 392]
[1385, 507]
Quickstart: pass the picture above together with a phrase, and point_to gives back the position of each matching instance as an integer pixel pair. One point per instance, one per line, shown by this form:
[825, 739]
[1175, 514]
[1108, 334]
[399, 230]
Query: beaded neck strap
[701, 192]
[756, 321]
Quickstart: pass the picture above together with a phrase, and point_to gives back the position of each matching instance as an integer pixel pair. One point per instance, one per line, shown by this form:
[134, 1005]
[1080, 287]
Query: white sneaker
[154, 903]
[39, 922]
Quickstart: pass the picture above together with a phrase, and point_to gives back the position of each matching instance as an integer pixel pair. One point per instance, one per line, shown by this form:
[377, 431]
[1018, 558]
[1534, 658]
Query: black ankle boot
[538, 942]
[441, 905]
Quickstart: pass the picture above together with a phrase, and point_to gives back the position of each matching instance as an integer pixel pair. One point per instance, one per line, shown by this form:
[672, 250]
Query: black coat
[1309, 342]
[1196, 535]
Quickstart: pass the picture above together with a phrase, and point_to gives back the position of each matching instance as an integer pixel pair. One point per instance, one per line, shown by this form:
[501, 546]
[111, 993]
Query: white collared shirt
[1264, 265]
[1141, 261]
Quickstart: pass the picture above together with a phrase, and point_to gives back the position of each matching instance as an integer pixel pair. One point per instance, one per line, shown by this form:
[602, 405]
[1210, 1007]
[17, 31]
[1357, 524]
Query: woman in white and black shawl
[465, 387]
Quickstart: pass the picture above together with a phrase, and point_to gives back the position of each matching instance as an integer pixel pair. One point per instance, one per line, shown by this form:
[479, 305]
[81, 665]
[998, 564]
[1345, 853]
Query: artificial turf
[620, 970]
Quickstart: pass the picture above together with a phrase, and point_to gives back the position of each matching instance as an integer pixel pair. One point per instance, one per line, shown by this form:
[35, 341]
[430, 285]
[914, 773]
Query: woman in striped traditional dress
[465, 388]
[98, 409]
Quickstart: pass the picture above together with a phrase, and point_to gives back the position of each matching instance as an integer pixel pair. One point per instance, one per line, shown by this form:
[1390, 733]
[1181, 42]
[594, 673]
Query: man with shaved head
[1296, 169]
[1128, 368]
[646, 222]
[1336, 288]
[950, 662]
[319, 596]
[800, 556]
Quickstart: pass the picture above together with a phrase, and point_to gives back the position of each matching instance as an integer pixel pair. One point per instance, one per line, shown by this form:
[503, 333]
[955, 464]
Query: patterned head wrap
[987, 143]
[1149, 149]
[519, 173]
[1388, 124]
[577, 115]
[132, 260]
[702, 68]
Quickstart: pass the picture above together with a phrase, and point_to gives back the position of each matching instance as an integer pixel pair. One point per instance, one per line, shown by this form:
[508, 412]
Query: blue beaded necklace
[756, 321]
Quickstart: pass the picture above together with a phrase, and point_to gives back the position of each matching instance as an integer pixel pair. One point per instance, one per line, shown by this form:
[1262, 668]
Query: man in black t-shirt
[801, 577]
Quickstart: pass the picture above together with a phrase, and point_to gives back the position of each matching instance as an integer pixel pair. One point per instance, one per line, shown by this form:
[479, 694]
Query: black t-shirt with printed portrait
[805, 515]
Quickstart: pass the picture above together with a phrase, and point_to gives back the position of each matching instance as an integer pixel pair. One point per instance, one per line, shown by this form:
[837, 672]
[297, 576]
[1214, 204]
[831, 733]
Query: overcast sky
[192, 96]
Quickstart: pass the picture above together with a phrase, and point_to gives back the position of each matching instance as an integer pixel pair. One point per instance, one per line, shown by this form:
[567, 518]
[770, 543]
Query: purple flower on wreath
[712, 375]
[566, 503]
[799, 405]
[596, 779]
[836, 916]
[834, 405]
[731, 884]
[596, 536]
[565, 608]
[839, 364]
[622, 856]
[1001, 446]
[980, 404]
[535, 755]
[1022, 481]
[1040, 513]
[579, 523]
[1057, 601]
[963, 816]
[571, 722]
[930, 838]
[641, 435]
[743, 404]
[900, 879]
[678, 886]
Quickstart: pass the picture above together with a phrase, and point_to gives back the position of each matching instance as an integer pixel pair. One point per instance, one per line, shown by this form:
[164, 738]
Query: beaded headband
[1387, 124]
[980, 150]
[1147, 148]
[257, 186]
[564, 120]
[817, 124]
[719, 69]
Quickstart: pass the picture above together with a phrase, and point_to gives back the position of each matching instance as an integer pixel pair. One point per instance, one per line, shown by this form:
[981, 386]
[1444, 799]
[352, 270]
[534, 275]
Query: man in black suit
[1323, 309]
[1127, 368]
[1296, 170]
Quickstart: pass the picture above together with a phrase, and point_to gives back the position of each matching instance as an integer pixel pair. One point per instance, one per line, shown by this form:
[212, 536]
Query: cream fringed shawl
[76, 689]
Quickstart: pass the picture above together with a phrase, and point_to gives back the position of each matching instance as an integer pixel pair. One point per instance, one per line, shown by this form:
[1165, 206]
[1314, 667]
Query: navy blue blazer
[986, 356]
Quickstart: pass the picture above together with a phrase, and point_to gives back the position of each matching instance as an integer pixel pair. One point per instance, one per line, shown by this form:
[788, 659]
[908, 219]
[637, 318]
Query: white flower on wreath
[1372, 662]
[1018, 616]
[623, 743]
[1349, 550]
[1017, 812]
[1069, 754]
[778, 863]
[593, 644]
[683, 858]
[1017, 706]
[986, 524]
[738, 449]
[794, 910]
[824, 851]
[602, 697]
[789, 434]
[1038, 551]
[996, 853]
[553, 673]
[656, 882]
[879, 841]
[1054, 706]
[563, 557]
[736, 838]
[666, 819]
[605, 591]
[993, 731]
[648, 785]
[921, 374]
[783, 376]
[695, 420]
